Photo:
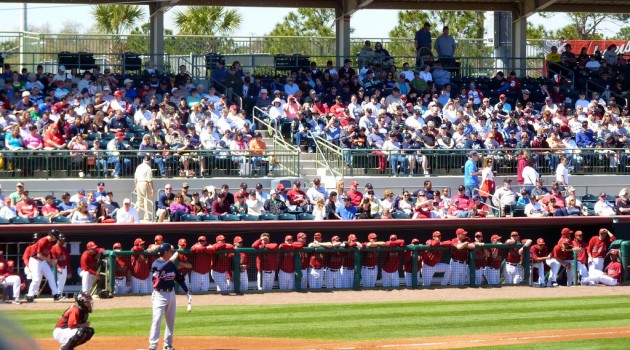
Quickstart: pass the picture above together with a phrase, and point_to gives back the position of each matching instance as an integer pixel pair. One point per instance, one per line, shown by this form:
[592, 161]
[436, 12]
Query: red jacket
[266, 261]
[392, 259]
[202, 258]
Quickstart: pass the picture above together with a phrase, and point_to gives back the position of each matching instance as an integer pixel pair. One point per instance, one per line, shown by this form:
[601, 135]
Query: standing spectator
[445, 47]
[143, 182]
[422, 41]
[530, 175]
[471, 173]
[562, 173]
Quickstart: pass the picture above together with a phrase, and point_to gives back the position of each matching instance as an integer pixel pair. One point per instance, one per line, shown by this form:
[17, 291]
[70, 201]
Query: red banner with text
[623, 47]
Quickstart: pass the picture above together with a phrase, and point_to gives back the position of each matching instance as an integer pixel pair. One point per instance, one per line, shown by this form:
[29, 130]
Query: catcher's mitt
[104, 294]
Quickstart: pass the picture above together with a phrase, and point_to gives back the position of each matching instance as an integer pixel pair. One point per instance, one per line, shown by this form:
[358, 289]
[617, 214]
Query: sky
[362, 21]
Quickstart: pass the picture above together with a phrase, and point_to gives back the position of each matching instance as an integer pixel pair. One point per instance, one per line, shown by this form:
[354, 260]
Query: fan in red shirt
[221, 264]
[479, 208]
[201, 266]
[90, 260]
[60, 253]
[613, 274]
[297, 197]
[431, 261]
[266, 262]
[408, 264]
[597, 248]
[391, 262]
[355, 196]
[27, 207]
[369, 271]
[122, 271]
[141, 281]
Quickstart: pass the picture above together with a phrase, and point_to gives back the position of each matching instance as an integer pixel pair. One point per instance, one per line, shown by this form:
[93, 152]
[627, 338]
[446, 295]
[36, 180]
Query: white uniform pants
[390, 279]
[63, 335]
[599, 277]
[493, 276]
[479, 274]
[40, 269]
[62, 277]
[244, 282]
[541, 272]
[164, 303]
[286, 280]
[14, 282]
[513, 273]
[121, 286]
[597, 264]
[429, 271]
[87, 280]
[333, 278]
[316, 278]
[199, 282]
[139, 286]
[555, 268]
[368, 276]
[266, 279]
[220, 278]
[304, 281]
[582, 270]
[458, 272]
[347, 277]
[408, 278]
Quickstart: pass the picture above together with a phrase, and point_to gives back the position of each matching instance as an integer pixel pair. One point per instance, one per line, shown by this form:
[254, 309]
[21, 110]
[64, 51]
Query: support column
[519, 44]
[342, 37]
[156, 34]
[502, 38]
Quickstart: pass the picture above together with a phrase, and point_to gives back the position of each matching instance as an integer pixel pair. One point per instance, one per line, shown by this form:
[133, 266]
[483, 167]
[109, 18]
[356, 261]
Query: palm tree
[207, 20]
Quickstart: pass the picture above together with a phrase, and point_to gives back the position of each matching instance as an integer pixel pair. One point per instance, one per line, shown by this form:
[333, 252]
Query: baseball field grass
[587, 344]
[367, 321]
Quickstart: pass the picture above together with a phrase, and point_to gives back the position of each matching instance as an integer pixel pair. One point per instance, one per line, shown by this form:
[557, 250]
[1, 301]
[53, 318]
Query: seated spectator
[255, 204]
[49, 209]
[127, 214]
[178, 208]
[347, 211]
[603, 207]
[196, 207]
[534, 209]
[82, 215]
[27, 207]
[505, 197]
[456, 210]
[297, 198]
[479, 209]
[275, 205]
[622, 204]
[404, 203]
[572, 208]
[101, 215]
[364, 211]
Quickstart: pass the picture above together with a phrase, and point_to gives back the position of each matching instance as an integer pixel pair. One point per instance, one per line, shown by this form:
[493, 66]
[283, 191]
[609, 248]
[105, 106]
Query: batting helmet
[163, 248]
[55, 232]
[84, 301]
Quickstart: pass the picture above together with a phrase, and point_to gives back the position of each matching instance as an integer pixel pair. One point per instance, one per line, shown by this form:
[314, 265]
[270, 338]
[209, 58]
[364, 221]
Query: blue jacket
[585, 138]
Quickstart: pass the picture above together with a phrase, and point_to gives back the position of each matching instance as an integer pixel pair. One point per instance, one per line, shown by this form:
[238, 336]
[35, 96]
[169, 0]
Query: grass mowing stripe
[588, 344]
[352, 321]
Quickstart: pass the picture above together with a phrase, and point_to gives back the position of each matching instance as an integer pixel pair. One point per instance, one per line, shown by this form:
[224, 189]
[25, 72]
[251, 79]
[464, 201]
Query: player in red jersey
[286, 273]
[460, 252]
[316, 263]
[60, 253]
[201, 266]
[141, 282]
[431, 261]
[613, 274]
[183, 260]
[391, 263]
[481, 258]
[408, 265]
[304, 259]
[266, 263]
[221, 264]
[513, 272]
[539, 253]
[580, 245]
[347, 268]
[495, 260]
[561, 255]
[7, 278]
[597, 248]
[369, 270]
[122, 271]
[90, 260]
[333, 265]
[40, 263]
[245, 263]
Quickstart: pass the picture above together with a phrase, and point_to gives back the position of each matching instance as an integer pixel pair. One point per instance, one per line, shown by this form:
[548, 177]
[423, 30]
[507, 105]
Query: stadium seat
[4, 221]
[589, 198]
[61, 220]
[190, 218]
[20, 220]
[518, 211]
[40, 220]
[287, 216]
[230, 217]
[248, 217]
[305, 216]
[400, 215]
[209, 217]
[268, 217]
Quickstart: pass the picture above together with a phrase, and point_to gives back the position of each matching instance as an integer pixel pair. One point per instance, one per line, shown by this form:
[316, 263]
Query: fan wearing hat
[141, 282]
[201, 264]
[27, 207]
[581, 245]
[114, 146]
[539, 253]
[221, 264]
[316, 192]
[122, 271]
[603, 207]
[266, 263]
[275, 205]
[513, 271]
[354, 195]
[612, 275]
[431, 261]
[90, 260]
[597, 248]
[296, 197]
[39, 265]
[369, 270]
[60, 253]
[561, 256]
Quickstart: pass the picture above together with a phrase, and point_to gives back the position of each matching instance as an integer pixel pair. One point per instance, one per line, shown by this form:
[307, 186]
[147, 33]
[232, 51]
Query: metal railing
[219, 162]
[357, 257]
[322, 161]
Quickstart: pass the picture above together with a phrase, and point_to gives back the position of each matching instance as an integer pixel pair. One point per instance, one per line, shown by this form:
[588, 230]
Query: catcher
[73, 329]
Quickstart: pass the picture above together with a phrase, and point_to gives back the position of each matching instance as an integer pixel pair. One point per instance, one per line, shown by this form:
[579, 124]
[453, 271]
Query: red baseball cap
[437, 234]
[280, 187]
[502, 96]
[335, 239]
[352, 237]
[91, 245]
[566, 231]
[238, 239]
[372, 236]
[159, 238]
[354, 183]
[494, 238]
[117, 245]
[614, 252]
[202, 238]
[118, 93]
[603, 231]
[138, 241]
[514, 233]
[120, 134]
[415, 241]
[220, 238]
[288, 238]
[393, 237]
[540, 241]
[461, 231]
[579, 233]
[478, 234]
[301, 235]
[182, 241]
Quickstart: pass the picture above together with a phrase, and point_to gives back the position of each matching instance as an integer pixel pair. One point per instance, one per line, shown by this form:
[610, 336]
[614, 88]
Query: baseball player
[245, 263]
[60, 253]
[580, 245]
[347, 268]
[122, 271]
[408, 265]
[304, 259]
[481, 258]
[89, 266]
[165, 274]
[221, 264]
[7, 278]
[40, 264]
[391, 263]
[431, 261]
[561, 255]
[460, 252]
[266, 263]
[597, 248]
[201, 265]
[286, 273]
[153, 248]
[369, 270]
[28, 252]
[513, 271]
[539, 253]
[73, 328]
[183, 260]
[333, 276]
[317, 263]
[613, 274]
[495, 260]
[565, 233]
[140, 269]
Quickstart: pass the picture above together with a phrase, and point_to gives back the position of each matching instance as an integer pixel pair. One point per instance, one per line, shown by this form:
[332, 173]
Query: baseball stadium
[313, 188]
